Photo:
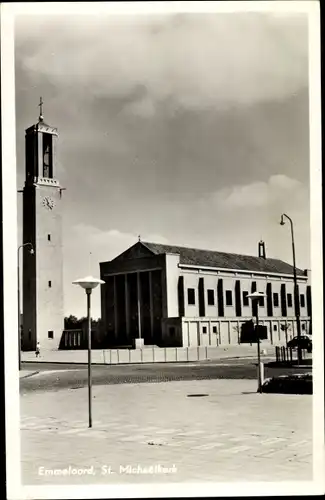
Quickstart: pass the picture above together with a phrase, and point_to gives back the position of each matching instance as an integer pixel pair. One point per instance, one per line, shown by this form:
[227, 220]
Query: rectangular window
[261, 302]
[275, 328]
[228, 298]
[191, 296]
[303, 326]
[204, 329]
[289, 299]
[245, 299]
[302, 300]
[214, 329]
[49, 237]
[50, 334]
[276, 300]
[50, 284]
[210, 297]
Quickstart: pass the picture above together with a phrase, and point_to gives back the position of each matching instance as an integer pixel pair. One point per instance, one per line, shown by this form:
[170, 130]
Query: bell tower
[43, 315]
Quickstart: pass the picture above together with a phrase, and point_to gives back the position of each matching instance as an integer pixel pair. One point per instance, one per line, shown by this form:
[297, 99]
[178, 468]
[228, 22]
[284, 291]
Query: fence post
[262, 372]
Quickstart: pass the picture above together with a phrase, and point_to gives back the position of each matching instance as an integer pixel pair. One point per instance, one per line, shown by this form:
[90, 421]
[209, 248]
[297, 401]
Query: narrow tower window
[49, 237]
[47, 156]
[50, 284]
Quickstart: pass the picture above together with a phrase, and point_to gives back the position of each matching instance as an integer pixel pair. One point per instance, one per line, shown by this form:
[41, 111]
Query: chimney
[307, 272]
[261, 250]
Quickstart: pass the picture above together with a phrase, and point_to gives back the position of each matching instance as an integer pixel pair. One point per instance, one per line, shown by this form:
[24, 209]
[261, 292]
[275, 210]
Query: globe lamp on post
[88, 284]
[255, 298]
[295, 284]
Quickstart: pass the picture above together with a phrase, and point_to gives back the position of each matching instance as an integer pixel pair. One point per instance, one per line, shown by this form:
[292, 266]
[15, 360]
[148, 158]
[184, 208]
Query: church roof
[223, 260]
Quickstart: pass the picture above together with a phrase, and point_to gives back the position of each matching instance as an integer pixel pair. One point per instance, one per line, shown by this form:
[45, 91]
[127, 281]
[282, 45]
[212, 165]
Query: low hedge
[290, 384]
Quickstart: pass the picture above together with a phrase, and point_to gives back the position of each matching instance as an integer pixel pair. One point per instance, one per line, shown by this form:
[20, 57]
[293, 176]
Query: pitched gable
[137, 251]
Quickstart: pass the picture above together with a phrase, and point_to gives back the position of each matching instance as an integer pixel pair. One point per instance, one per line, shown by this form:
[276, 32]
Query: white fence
[149, 354]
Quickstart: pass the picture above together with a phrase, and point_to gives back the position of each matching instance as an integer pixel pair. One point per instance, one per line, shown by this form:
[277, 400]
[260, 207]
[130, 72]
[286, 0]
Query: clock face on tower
[48, 202]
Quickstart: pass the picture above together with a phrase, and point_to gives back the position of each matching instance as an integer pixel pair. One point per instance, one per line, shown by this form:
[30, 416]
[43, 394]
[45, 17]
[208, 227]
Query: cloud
[260, 194]
[144, 108]
[197, 60]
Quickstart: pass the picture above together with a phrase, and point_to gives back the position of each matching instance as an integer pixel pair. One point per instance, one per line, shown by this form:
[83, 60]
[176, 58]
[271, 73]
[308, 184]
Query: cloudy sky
[189, 129]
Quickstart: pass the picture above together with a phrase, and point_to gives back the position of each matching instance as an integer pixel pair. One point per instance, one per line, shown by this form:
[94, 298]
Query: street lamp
[88, 284]
[31, 251]
[295, 284]
[255, 298]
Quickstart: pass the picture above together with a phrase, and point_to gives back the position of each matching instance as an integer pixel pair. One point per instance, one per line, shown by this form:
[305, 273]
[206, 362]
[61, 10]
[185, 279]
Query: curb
[29, 375]
[68, 362]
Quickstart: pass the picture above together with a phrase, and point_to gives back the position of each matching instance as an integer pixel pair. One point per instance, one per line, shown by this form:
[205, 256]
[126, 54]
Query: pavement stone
[232, 434]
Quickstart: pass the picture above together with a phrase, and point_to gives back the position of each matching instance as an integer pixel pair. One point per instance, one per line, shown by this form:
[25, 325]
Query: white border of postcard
[15, 490]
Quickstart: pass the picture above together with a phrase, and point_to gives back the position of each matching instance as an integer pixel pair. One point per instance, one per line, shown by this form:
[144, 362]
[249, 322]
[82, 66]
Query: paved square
[231, 434]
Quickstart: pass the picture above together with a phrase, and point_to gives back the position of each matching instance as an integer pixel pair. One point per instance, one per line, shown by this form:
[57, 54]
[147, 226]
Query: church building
[177, 296]
[43, 315]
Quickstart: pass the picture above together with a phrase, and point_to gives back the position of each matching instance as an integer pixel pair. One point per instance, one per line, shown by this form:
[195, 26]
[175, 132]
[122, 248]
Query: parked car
[305, 343]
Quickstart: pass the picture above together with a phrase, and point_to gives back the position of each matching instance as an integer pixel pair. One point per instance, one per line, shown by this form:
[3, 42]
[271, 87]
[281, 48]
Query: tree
[73, 323]
[285, 327]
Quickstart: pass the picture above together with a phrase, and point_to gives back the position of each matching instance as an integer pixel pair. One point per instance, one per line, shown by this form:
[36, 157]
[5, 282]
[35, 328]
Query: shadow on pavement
[308, 363]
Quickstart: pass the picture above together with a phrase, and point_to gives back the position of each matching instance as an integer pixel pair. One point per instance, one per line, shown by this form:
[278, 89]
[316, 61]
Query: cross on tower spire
[41, 109]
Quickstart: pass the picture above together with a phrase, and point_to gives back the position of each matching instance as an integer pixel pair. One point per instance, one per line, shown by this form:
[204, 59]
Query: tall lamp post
[88, 284]
[31, 251]
[255, 298]
[295, 284]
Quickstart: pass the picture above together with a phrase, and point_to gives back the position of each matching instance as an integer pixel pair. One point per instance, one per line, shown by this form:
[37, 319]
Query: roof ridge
[206, 250]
